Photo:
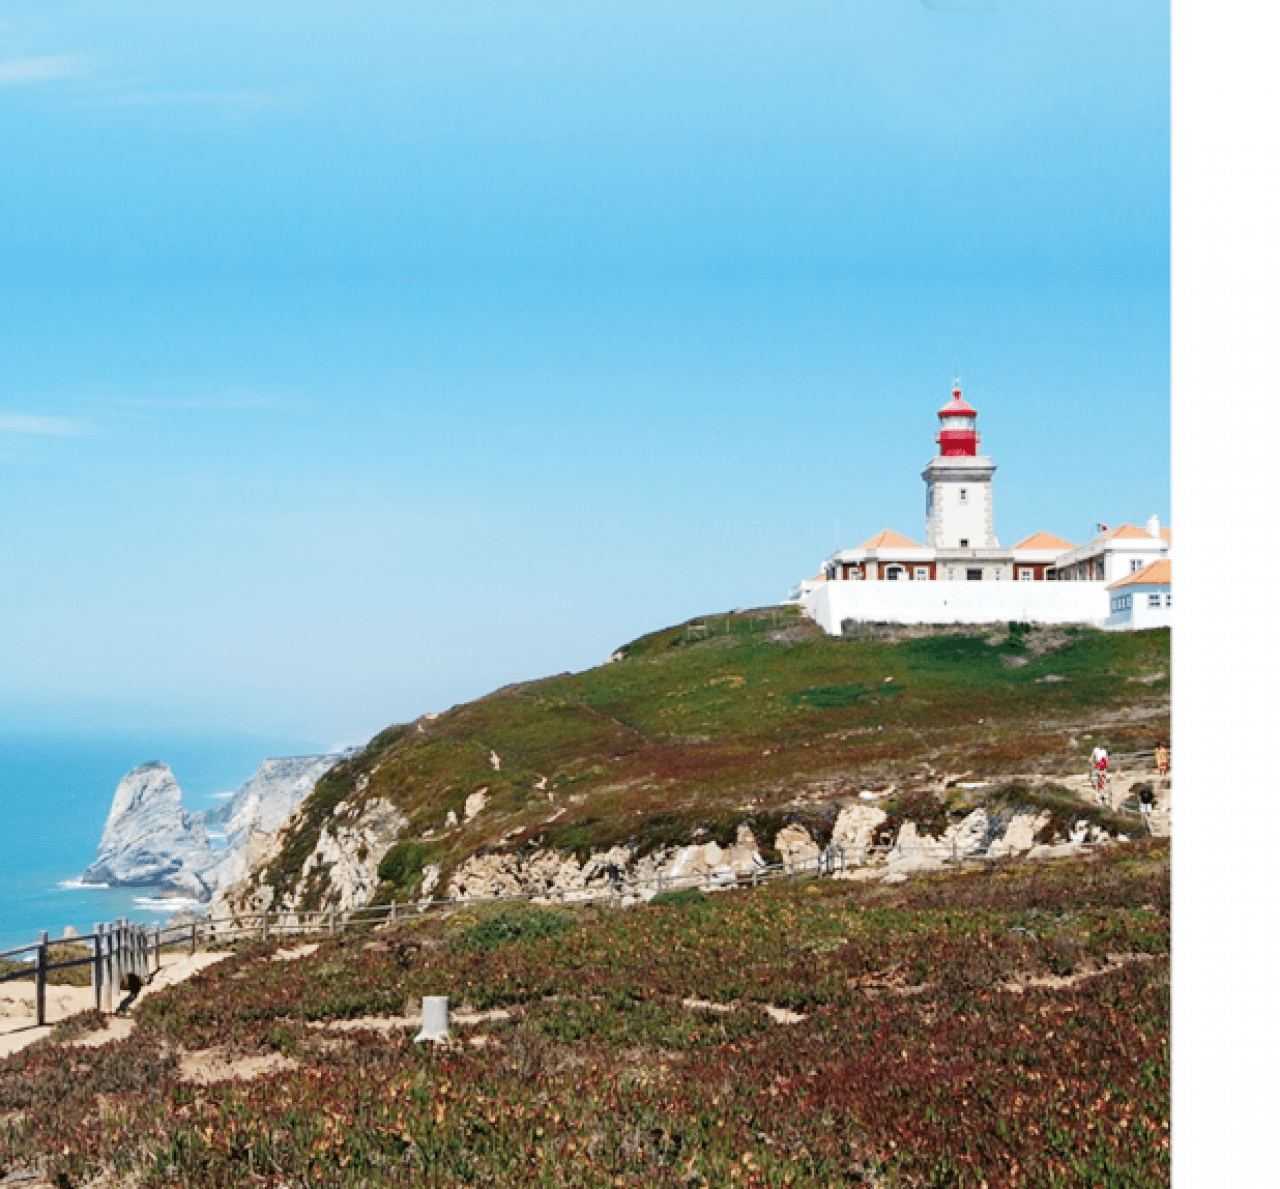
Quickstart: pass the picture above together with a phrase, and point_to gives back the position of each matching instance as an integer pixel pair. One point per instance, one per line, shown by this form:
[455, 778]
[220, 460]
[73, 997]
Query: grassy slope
[702, 724]
[918, 1061]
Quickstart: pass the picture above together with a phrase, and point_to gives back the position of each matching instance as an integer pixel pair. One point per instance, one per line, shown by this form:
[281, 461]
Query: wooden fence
[123, 948]
[115, 951]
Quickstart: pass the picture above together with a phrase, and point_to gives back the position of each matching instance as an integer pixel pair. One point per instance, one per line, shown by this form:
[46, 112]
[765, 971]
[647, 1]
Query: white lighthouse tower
[959, 510]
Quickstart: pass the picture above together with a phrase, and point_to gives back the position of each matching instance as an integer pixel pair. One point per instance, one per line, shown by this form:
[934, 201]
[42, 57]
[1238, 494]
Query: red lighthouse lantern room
[958, 437]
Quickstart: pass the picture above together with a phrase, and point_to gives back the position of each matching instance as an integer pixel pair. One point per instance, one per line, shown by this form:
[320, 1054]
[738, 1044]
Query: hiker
[1162, 759]
[1146, 800]
[1098, 772]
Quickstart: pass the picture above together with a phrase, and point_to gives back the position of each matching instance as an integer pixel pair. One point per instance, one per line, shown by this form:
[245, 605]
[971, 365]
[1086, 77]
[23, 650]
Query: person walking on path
[1098, 771]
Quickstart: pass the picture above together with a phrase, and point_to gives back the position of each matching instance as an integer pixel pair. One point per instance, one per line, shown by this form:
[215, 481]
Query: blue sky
[358, 358]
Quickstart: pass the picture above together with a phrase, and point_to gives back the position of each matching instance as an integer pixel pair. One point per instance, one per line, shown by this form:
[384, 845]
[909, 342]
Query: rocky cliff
[256, 811]
[151, 841]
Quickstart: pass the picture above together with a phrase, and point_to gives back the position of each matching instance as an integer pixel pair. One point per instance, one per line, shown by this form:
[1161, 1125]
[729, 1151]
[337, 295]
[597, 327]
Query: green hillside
[755, 715]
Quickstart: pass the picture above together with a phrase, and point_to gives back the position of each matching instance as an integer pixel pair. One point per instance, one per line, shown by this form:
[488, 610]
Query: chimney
[1153, 526]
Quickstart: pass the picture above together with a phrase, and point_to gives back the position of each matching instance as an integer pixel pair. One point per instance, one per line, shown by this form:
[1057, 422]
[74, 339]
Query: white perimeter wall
[957, 602]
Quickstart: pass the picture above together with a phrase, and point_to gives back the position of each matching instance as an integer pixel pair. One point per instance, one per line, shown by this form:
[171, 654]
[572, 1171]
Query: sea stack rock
[149, 840]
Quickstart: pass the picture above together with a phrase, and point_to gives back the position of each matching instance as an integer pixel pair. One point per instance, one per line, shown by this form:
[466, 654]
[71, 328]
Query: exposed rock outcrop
[349, 853]
[344, 863]
[151, 841]
[256, 811]
[549, 873]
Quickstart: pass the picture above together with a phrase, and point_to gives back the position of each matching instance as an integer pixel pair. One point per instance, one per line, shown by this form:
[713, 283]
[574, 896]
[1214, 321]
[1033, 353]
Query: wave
[169, 904]
[78, 884]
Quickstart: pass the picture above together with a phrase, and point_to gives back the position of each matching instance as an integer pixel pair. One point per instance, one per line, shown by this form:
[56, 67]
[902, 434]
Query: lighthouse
[959, 511]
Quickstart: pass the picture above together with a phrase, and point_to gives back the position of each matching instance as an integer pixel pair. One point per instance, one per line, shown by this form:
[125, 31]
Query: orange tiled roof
[1158, 573]
[1129, 532]
[1167, 534]
[889, 540]
[1044, 541]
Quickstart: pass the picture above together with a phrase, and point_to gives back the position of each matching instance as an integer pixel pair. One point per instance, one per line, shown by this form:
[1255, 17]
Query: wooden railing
[123, 948]
[116, 951]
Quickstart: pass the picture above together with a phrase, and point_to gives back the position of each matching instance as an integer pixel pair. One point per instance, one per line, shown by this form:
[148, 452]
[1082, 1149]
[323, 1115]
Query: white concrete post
[435, 1019]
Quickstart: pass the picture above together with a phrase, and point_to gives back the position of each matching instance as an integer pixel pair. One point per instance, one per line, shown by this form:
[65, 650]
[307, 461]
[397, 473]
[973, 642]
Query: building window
[1168, 599]
[922, 573]
[964, 542]
[951, 574]
[1135, 564]
[1153, 600]
[964, 495]
[893, 573]
[973, 575]
[1025, 573]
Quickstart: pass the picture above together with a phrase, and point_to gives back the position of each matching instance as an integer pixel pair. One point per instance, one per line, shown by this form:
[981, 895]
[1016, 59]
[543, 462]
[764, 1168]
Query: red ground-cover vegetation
[1004, 1027]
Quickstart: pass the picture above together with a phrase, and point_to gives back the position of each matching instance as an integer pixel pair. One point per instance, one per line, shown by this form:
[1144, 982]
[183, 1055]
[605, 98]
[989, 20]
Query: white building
[1143, 599]
[1042, 579]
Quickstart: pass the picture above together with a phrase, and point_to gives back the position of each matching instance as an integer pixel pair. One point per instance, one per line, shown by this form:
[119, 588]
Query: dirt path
[18, 1004]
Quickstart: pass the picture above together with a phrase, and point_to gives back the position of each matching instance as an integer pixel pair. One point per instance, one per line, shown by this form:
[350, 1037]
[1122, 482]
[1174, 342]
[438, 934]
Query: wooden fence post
[42, 975]
[107, 960]
[333, 919]
[193, 937]
[96, 974]
[266, 924]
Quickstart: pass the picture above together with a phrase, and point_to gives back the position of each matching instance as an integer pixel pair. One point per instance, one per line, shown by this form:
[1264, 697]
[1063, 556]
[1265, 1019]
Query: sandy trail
[18, 1004]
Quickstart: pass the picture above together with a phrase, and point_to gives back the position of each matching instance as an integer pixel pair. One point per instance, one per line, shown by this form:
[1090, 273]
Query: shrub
[515, 924]
[402, 865]
[686, 898]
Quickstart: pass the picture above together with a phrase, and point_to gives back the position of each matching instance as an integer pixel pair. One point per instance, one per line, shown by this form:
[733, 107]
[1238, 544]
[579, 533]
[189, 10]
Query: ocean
[55, 793]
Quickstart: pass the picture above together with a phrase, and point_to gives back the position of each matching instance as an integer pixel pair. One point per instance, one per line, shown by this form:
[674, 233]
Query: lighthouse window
[964, 495]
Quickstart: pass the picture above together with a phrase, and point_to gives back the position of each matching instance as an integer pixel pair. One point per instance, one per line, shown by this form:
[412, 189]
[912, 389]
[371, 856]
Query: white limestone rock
[855, 830]
[1019, 835]
[254, 814]
[475, 803]
[556, 876]
[349, 852]
[150, 840]
[796, 845]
